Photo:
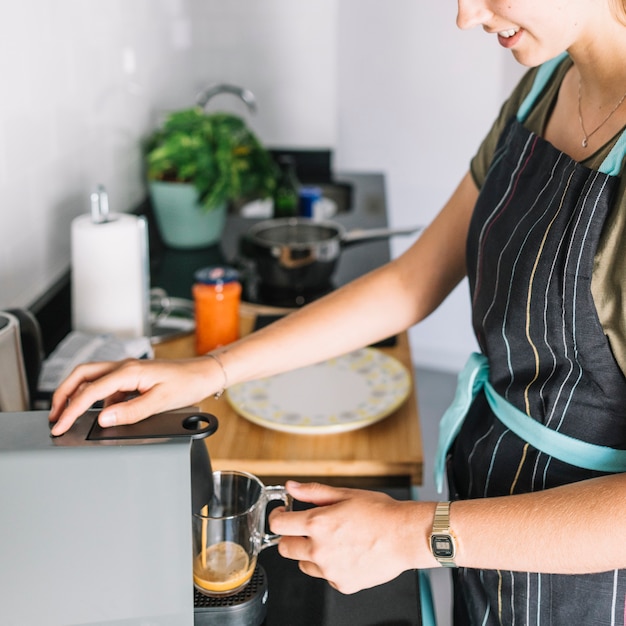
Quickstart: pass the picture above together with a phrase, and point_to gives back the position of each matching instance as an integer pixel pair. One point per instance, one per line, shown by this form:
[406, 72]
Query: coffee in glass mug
[229, 532]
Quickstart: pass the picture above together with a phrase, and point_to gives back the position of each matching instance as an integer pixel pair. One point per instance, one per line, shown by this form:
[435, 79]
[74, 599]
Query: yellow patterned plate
[342, 394]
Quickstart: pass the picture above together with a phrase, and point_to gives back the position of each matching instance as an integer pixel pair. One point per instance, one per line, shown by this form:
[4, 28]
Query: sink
[339, 192]
[336, 199]
[313, 169]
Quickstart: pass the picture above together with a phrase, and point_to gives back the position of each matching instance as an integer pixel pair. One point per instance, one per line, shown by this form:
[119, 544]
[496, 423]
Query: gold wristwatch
[442, 539]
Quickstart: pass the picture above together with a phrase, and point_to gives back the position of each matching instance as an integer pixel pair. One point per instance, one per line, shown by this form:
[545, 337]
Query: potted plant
[197, 165]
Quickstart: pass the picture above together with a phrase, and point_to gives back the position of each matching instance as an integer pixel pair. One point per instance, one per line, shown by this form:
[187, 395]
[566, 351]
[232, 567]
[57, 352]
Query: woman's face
[534, 30]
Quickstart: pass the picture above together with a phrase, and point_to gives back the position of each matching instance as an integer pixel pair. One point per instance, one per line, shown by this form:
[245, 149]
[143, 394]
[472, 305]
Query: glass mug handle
[276, 492]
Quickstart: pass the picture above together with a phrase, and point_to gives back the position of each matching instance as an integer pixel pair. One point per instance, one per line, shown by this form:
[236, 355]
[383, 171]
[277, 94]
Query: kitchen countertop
[173, 270]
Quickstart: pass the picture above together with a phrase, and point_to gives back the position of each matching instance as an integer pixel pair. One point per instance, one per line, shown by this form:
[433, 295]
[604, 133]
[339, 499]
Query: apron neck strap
[544, 73]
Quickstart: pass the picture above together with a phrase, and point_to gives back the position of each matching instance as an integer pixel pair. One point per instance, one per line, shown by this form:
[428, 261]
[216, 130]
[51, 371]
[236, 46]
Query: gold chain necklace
[586, 137]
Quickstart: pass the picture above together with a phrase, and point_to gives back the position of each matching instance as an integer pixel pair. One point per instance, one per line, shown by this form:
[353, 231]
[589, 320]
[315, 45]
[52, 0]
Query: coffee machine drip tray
[249, 606]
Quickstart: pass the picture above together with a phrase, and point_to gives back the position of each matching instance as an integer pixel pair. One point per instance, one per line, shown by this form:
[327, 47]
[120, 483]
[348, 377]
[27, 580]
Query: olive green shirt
[608, 284]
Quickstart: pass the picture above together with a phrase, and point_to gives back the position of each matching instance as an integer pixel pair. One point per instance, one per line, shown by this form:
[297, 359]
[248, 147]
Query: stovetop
[282, 298]
[254, 291]
[173, 270]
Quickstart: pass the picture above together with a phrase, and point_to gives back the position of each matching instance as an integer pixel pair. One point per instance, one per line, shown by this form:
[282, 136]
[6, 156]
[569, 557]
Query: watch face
[442, 546]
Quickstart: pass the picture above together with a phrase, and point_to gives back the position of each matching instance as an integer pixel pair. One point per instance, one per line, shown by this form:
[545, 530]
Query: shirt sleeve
[481, 161]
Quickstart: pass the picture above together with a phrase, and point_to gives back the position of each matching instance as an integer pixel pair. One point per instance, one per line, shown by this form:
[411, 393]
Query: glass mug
[229, 532]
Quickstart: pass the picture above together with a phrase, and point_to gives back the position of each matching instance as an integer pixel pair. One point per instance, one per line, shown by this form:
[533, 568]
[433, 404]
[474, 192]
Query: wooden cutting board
[389, 448]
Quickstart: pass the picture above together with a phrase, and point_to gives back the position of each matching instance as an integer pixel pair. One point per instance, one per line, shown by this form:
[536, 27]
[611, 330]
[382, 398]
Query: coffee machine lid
[30, 430]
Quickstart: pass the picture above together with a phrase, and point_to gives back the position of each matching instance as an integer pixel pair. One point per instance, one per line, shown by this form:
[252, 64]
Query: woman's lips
[509, 42]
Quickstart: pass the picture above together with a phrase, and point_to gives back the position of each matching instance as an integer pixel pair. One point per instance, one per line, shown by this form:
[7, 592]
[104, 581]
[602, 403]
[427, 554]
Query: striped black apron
[530, 256]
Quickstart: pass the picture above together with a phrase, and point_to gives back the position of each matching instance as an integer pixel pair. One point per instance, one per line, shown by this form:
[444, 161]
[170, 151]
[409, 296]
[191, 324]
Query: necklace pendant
[584, 142]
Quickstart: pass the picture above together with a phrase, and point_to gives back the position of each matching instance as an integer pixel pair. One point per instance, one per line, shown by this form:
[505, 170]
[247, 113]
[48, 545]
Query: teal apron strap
[542, 77]
[473, 378]
[612, 165]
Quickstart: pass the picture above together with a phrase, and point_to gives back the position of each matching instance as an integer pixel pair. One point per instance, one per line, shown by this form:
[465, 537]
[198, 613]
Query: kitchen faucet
[213, 90]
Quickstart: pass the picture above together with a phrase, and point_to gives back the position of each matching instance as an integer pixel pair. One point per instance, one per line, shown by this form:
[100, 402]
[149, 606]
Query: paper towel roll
[110, 275]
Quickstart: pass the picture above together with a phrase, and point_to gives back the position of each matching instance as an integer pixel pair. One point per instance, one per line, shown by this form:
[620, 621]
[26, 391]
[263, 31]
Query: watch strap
[442, 535]
[441, 523]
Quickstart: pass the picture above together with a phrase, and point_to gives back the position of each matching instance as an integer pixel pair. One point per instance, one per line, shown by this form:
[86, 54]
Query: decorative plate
[338, 395]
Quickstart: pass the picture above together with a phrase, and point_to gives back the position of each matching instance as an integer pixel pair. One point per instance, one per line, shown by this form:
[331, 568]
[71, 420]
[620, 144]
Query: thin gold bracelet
[216, 358]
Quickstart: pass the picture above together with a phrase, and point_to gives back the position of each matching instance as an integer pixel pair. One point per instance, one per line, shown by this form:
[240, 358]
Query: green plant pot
[182, 222]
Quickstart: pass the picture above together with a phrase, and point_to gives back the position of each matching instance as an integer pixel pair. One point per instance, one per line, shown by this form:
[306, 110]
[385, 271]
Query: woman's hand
[132, 389]
[355, 539]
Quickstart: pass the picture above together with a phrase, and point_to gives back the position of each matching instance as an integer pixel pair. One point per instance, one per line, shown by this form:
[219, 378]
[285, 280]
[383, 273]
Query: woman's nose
[472, 13]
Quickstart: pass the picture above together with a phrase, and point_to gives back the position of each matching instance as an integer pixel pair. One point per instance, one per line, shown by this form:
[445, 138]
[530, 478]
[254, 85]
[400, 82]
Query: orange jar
[216, 294]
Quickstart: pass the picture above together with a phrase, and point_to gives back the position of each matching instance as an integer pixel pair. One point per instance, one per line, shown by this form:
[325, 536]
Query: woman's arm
[377, 305]
[573, 529]
[380, 304]
[357, 539]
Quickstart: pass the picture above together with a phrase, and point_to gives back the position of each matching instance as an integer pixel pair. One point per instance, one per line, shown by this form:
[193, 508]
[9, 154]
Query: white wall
[78, 80]
[391, 86]
[416, 96]
[285, 52]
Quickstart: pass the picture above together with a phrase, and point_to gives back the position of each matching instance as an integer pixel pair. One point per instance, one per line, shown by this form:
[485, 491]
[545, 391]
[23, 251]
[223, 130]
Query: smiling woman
[538, 226]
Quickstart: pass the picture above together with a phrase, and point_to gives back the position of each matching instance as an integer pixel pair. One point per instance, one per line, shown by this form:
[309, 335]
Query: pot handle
[368, 234]
[294, 259]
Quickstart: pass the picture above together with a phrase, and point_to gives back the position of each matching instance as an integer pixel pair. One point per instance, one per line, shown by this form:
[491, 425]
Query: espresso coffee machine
[95, 525]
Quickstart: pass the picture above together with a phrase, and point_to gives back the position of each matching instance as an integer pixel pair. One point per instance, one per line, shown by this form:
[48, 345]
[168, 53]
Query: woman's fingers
[75, 382]
[310, 569]
[92, 382]
[295, 548]
[353, 538]
[132, 390]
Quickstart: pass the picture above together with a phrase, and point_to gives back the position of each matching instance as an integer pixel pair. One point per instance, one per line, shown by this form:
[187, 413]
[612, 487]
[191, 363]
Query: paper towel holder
[99, 205]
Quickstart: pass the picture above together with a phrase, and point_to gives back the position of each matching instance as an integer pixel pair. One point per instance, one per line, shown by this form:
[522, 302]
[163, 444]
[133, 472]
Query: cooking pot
[20, 359]
[300, 254]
